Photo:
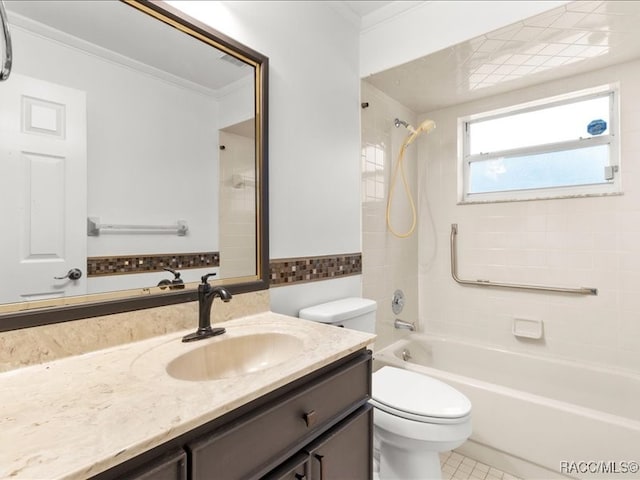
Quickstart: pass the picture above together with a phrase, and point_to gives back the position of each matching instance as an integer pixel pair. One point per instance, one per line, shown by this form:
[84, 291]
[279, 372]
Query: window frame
[612, 138]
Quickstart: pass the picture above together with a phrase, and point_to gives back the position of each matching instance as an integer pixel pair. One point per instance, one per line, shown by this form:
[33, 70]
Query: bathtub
[533, 416]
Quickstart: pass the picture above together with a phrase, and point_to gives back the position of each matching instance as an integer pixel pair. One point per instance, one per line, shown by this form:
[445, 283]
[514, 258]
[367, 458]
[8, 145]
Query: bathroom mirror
[133, 160]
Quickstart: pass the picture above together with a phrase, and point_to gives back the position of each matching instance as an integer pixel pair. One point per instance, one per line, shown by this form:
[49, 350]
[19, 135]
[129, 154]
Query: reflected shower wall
[237, 196]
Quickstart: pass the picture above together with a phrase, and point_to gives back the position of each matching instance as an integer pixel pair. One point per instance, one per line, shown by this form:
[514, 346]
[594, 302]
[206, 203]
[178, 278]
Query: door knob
[73, 274]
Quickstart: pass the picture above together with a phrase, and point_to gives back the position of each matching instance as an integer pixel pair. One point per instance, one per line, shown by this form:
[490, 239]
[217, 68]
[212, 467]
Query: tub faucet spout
[401, 324]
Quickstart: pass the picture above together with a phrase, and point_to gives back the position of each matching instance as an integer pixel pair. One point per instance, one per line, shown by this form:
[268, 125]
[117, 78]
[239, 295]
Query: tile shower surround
[389, 263]
[592, 242]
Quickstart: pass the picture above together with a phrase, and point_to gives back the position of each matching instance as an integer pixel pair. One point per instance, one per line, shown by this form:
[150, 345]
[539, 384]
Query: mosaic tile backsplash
[286, 271]
[125, 264]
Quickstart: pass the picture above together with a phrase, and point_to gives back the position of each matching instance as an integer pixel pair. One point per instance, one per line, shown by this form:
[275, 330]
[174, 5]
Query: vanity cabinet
[318, 427]
[172, 466]
[344, 452]
[293, 469]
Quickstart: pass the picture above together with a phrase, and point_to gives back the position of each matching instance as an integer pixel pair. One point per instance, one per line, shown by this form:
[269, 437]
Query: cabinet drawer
[251, 447]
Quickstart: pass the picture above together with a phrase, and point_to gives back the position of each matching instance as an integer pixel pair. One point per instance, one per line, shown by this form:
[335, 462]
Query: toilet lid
[406, 391]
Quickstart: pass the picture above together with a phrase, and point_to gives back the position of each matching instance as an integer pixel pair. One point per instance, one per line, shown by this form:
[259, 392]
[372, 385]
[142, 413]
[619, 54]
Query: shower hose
[425, 127]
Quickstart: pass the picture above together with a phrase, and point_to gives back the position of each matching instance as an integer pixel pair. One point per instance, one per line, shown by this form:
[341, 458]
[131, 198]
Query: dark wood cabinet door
[172, 466]
[344, 452]
[293, 469]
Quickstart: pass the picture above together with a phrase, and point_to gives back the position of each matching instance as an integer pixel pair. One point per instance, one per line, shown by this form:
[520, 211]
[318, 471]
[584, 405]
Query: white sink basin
[235, 356]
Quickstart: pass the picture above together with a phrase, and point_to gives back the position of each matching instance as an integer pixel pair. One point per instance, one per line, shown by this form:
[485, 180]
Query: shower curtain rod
[489, 283]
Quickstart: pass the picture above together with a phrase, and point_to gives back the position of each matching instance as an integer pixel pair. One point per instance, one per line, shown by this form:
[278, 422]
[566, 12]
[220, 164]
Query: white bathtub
[535, 417]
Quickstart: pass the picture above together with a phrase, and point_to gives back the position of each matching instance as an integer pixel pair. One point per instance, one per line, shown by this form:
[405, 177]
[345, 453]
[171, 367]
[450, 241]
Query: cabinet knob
[310, 418]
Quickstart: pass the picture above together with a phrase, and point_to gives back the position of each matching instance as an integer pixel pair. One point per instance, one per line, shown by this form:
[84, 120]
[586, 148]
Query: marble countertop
[76, 417]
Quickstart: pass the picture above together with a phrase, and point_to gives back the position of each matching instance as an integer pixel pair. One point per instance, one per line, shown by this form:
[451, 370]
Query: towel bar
[94, 227]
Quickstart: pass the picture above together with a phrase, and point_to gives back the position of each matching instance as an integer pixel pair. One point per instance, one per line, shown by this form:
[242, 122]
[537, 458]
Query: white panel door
[43, 192]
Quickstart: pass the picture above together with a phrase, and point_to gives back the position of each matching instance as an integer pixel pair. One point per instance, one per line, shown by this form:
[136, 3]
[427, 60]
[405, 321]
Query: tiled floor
[459, 467]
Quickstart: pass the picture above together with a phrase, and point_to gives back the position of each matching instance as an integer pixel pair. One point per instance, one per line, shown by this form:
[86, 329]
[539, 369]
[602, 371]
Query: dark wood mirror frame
[190, 26]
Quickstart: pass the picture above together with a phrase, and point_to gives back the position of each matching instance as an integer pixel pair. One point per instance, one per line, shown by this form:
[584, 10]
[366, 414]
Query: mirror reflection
[127, 155]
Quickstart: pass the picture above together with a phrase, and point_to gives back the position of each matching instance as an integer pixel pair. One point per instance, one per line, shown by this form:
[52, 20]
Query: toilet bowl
[415, 417]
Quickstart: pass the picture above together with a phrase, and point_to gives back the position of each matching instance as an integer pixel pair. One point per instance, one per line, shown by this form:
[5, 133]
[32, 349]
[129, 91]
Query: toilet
[415, 416]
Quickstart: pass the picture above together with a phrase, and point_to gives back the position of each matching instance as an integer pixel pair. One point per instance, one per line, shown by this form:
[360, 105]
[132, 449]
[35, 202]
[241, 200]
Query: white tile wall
[591, 242]
[388, 263]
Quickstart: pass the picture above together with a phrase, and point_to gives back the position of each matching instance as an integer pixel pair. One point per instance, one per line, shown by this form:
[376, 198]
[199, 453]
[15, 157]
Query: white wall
[590, 242]
[314, 128]
[433, 25]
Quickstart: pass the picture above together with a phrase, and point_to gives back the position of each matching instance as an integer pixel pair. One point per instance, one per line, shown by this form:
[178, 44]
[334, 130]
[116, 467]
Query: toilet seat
[418, 418]
[417, 397]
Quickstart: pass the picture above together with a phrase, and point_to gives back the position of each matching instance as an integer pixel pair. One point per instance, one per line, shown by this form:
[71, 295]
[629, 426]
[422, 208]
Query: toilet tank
[355, 313]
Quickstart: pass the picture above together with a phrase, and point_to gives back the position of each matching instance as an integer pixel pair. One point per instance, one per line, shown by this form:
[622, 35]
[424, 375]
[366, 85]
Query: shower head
[397, 122]
[425, 127]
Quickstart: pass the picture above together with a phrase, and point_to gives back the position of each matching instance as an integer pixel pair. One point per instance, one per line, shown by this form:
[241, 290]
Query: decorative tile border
[288, 271]
[127, 264]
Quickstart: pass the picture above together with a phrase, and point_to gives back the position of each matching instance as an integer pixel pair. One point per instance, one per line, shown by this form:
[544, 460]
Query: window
[556, 147]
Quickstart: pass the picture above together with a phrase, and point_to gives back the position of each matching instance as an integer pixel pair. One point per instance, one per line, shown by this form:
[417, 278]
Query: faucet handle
[205, 278]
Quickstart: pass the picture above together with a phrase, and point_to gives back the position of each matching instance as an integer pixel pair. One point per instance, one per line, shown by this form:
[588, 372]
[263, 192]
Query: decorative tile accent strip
[287, 271]
[126, 264]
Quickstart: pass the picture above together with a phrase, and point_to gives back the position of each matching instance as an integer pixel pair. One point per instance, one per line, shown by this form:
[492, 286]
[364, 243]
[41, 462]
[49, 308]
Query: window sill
[545, 197]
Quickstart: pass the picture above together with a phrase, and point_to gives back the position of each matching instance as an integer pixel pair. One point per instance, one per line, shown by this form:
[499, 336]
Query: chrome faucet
[404, 325]
[206, 295]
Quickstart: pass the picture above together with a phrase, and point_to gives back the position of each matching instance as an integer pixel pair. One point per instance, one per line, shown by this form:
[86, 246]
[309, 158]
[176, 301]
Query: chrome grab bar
[8, 52]
[489, 283]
